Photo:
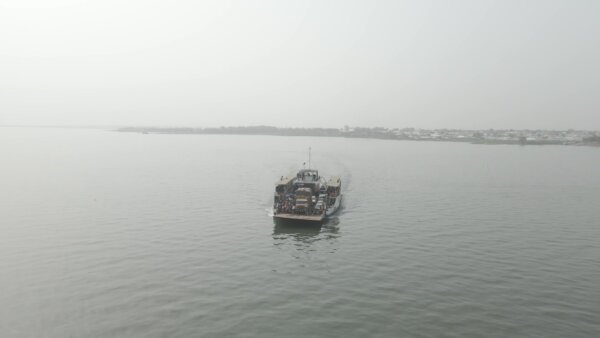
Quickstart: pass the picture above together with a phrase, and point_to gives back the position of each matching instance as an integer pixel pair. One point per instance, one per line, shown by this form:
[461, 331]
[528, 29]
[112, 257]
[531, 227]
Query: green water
[108, 234]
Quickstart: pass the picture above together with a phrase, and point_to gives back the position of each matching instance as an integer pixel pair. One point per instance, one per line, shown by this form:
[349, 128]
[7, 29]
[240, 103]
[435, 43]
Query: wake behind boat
[306, 196]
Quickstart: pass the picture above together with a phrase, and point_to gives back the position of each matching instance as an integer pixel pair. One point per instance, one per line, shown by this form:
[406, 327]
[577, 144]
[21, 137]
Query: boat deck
[312, 218]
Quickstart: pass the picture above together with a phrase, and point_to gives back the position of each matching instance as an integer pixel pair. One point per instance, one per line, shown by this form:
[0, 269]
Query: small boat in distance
[306, 196]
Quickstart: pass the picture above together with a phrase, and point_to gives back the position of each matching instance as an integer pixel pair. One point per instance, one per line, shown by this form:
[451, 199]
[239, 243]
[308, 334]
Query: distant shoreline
[490, 136]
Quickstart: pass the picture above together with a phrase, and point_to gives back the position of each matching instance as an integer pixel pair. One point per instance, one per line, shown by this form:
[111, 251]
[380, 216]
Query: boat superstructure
[306, 196]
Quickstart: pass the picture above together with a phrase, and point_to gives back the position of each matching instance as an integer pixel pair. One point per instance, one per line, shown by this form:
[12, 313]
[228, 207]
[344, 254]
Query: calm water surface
[108, 234]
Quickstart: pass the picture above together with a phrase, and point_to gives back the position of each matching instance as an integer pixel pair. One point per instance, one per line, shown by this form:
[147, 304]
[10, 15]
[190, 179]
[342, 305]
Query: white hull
[295, 217]
[334, 208]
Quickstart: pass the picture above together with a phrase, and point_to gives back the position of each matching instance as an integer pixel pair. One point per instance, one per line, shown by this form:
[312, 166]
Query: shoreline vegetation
[488, 136]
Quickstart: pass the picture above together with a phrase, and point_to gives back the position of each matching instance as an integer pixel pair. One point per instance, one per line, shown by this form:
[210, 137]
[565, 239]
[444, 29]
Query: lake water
[108, 234]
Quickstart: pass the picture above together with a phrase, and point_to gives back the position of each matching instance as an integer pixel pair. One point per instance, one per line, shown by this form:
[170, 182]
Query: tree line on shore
[450, 135]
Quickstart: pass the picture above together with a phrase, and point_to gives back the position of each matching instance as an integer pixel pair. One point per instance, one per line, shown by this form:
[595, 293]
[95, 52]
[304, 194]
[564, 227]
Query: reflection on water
[304, 232]
[305, 247]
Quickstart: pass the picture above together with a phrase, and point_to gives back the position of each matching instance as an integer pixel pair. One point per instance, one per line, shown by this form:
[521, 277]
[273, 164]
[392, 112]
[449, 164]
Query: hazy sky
[428, 64]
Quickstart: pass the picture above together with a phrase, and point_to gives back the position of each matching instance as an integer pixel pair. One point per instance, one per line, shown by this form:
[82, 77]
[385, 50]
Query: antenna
[308, 157]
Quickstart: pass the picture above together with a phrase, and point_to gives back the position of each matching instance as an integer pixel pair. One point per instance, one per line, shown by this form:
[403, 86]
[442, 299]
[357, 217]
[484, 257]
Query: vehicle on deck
[306, 196]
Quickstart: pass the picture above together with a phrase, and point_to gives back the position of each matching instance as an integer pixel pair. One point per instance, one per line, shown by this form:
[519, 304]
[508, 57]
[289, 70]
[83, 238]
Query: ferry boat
[306, 196]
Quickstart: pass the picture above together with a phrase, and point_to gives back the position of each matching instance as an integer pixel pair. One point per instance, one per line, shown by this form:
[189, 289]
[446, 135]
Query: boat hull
[303, 218]
[334, 208]
[311, 218]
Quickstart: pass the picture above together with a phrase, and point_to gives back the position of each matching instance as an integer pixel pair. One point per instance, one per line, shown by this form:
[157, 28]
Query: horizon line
[99, 126]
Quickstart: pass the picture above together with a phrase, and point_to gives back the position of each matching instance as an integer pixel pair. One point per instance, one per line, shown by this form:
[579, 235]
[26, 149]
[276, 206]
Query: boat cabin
[334, 185]
[308, 178]
[308, 175]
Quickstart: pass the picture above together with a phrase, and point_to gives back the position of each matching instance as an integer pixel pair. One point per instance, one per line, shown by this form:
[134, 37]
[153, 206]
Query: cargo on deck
[306, 196]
